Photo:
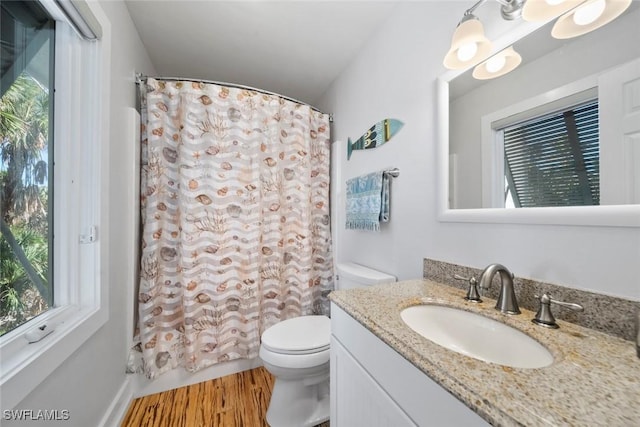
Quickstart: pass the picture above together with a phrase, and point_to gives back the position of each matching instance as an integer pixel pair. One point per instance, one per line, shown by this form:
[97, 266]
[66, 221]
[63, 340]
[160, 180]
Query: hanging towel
[367, 201]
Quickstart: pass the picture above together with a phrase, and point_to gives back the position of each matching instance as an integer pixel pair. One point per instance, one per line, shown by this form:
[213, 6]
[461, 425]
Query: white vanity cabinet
[372, 385]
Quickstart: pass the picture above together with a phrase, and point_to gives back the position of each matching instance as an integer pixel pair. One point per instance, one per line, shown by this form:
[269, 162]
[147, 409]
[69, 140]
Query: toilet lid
[304, 334]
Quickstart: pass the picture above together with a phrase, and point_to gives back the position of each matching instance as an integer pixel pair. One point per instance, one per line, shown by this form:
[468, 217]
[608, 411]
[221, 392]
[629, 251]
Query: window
[26, 150]
[553, 160]
[63, 183]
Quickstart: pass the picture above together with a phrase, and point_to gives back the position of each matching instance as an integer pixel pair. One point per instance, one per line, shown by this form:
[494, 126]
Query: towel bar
[395, 172]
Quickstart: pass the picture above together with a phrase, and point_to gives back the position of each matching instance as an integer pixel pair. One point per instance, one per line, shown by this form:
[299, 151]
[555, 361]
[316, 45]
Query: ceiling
[294, 48]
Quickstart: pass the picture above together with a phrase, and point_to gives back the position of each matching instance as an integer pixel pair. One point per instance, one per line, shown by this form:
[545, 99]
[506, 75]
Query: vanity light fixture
[546, 10]
[498, 65]
[590, 15]
[469, 45]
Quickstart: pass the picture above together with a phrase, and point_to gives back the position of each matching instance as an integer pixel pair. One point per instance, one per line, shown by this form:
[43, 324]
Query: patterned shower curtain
[235, 213]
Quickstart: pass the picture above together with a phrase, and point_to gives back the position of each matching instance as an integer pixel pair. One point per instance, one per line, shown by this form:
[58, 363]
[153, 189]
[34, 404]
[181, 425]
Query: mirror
[553, 72]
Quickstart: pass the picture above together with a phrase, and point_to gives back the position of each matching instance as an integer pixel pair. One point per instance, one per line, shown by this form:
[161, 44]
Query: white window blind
[553, 160]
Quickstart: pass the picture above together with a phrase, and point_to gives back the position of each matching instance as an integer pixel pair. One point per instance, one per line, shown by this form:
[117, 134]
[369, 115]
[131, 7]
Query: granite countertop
[594, 380]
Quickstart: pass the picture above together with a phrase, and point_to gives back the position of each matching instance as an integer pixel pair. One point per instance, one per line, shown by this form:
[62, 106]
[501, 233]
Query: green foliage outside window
[24, 245]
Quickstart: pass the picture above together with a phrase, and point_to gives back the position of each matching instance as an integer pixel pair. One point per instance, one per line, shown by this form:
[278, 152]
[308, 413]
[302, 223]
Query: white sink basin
[476, 336]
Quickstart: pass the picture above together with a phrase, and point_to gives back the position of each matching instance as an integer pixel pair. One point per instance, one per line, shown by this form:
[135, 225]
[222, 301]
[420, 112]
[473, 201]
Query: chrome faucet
[507, 302]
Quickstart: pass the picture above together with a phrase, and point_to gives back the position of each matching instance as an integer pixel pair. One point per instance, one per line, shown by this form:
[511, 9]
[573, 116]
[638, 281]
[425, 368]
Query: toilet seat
[295, 352]
[300, 335]
[294, 361]
[301, 342]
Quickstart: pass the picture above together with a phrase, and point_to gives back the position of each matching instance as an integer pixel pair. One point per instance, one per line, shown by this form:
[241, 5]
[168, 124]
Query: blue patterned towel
[367, 201]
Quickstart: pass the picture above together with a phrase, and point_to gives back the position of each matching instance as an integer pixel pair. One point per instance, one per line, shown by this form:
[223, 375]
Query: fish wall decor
[375, 136]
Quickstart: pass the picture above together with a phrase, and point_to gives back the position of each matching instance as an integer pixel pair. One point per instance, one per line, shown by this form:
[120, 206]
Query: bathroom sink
[476, 336]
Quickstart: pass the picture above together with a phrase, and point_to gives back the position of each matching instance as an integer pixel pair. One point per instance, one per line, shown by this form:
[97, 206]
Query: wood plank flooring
[239, 400]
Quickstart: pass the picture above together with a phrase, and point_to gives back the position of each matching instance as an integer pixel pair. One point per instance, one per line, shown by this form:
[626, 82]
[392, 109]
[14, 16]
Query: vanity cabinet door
[373, 385]
[356, 399]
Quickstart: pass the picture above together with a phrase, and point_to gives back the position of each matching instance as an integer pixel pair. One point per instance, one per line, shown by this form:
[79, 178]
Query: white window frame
[81, 135]
[492, 140]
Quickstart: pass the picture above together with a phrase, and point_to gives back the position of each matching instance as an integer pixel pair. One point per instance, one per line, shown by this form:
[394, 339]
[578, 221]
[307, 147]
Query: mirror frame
[599, 216]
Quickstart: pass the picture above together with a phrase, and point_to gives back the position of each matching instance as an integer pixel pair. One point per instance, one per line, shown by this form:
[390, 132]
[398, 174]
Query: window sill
[24, 366]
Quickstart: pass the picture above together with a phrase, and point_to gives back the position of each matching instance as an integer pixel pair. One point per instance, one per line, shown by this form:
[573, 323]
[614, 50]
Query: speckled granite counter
[594, 380]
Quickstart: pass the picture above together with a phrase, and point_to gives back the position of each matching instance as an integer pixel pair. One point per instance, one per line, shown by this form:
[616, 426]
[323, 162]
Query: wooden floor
[239, 400]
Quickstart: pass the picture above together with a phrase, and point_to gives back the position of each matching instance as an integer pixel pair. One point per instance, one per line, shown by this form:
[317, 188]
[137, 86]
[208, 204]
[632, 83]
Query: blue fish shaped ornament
[377, 135]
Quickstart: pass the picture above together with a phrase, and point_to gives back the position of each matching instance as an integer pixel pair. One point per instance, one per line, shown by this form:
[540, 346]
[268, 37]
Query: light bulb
[554, 2]
[467, 51]
[495, 63]
[585, 15]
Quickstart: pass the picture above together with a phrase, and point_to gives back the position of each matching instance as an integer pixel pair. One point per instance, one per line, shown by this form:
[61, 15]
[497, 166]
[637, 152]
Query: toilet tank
[351, 275]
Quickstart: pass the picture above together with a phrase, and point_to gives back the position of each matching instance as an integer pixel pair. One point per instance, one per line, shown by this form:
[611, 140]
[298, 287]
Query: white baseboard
[142, 386]
[116, 411]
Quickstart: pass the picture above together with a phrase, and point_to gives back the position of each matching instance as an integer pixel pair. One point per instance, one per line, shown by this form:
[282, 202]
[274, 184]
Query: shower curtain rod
[141, 77]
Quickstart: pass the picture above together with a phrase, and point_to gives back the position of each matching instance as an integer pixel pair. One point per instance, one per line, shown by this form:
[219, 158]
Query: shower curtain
[235, 214]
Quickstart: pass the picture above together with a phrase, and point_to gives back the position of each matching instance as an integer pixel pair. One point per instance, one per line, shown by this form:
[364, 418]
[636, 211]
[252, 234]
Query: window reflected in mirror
[553, 159]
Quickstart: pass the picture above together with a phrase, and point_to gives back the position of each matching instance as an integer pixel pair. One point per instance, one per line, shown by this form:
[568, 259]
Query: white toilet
[296, 351]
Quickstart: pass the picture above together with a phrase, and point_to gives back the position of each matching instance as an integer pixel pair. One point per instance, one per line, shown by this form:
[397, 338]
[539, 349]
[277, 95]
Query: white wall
[581, 57]
[89, 381]
[394, 76]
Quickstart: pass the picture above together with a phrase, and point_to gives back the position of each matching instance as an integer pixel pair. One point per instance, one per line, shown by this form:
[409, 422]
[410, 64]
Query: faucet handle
[472, 294]
[572, 305]
[544, 317]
